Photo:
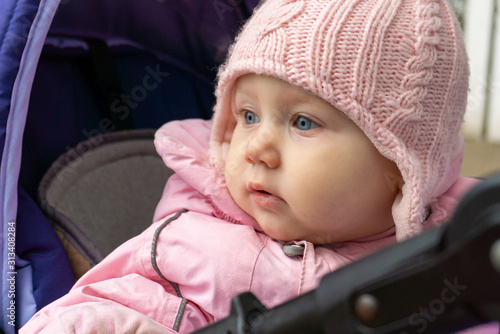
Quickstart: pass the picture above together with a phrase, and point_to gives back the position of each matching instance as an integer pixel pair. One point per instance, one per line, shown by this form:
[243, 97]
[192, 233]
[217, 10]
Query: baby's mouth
[257, 188]
[263, 197]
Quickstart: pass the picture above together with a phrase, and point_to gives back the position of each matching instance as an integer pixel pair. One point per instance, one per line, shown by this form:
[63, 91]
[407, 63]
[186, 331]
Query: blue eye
[304, 124]
[251, 117]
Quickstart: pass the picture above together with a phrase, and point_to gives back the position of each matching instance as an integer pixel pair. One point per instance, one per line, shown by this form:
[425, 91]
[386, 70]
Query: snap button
[293, 250]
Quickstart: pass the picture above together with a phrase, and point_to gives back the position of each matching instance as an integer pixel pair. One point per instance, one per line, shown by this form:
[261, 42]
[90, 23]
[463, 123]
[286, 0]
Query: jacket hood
[183, 146]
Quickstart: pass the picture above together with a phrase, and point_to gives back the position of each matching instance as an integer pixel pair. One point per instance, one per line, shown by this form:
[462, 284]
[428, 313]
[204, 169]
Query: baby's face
[302, 169]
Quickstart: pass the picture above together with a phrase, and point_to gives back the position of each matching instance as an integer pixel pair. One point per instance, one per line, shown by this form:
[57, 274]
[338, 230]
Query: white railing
[481, 20]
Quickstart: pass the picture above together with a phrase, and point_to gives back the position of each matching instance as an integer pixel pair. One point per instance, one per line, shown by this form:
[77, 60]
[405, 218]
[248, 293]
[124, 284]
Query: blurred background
[480, 21]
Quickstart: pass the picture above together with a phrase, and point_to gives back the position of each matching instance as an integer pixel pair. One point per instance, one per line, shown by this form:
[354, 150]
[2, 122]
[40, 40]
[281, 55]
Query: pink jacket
[180, 273]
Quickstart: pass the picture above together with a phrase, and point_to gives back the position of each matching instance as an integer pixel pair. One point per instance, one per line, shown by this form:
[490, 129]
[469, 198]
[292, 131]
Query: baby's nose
[263, 147]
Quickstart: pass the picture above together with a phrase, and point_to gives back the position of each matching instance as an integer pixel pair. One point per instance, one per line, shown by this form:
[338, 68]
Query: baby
[336, 132]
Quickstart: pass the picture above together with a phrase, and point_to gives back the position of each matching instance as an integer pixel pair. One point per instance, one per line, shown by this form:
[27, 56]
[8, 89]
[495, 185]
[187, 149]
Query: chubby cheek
[313, 192]
[235, 160]
[234, 172]
[236, 187]
[326, 188]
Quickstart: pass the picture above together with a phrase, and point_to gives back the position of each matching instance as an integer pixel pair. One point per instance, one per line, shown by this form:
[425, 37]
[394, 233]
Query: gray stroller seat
[103, 192]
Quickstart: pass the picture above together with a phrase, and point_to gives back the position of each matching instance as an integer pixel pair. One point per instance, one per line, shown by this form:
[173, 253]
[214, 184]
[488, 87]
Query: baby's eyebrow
[242, 92]
[299, 95]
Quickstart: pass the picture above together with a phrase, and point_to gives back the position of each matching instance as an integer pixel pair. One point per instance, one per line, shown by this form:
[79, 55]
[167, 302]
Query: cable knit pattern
[397, 68]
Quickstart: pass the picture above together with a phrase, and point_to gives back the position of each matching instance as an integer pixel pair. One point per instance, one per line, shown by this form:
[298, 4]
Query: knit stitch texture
[397, 68]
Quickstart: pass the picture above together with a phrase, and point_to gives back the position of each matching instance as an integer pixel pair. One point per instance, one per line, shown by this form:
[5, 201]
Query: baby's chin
[286, 236]
[278, 235]
[314, 239]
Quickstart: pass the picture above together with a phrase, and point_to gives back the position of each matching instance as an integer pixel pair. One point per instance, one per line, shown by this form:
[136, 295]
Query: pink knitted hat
[397, 68]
